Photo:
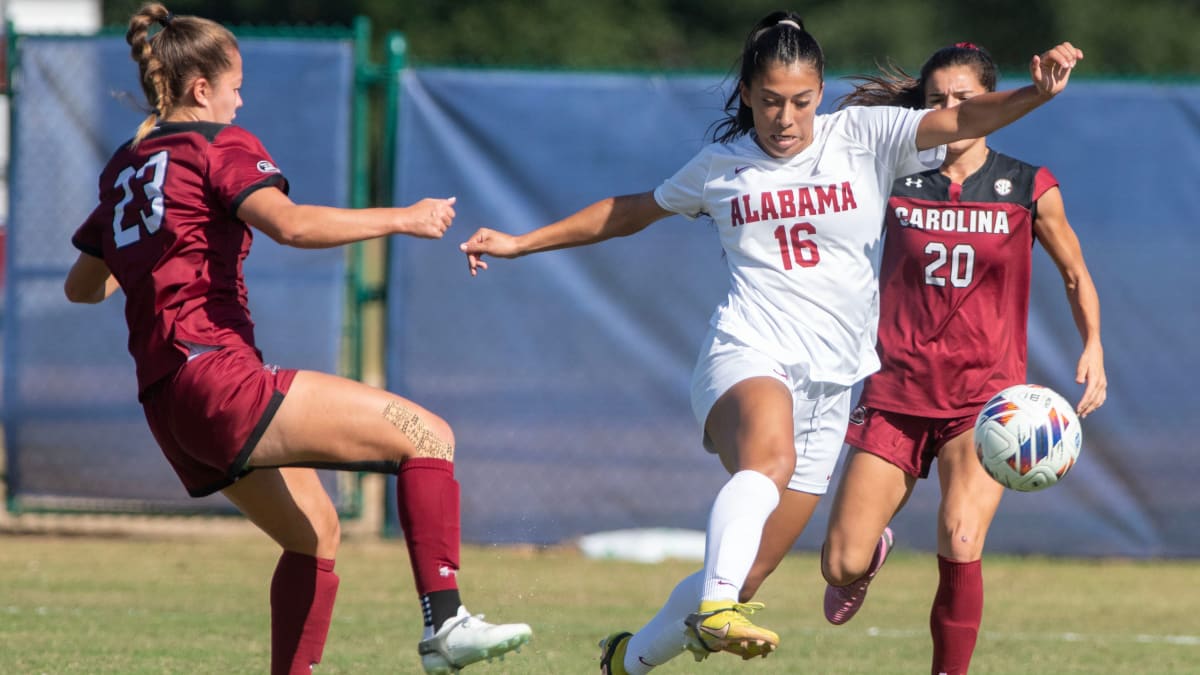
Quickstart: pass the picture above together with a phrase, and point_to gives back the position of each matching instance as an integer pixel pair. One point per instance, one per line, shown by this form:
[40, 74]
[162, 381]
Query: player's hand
[1051, 69]
[488, 242]
[430, 218]
[1090, 371]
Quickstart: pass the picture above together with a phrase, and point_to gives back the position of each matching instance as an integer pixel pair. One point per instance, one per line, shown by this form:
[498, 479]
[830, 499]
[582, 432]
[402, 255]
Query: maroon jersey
[167, 228]
[954, 288]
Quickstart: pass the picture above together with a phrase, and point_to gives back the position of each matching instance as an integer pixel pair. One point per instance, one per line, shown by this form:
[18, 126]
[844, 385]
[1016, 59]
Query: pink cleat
[843, 602]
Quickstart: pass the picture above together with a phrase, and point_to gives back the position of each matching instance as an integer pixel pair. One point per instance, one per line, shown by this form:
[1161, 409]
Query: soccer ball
[1027, 437]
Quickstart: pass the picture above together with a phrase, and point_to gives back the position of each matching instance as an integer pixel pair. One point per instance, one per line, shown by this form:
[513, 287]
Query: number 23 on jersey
[142, 188]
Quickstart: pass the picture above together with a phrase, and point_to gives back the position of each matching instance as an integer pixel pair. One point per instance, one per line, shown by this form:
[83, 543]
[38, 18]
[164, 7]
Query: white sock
[735, 528]
[663, 638]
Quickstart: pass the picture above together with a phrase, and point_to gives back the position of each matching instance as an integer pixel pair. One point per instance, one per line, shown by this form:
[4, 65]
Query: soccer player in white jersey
[798, 199]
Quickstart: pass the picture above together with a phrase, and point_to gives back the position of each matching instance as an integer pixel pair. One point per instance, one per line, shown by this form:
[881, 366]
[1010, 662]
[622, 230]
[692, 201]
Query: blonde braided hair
[183, 49]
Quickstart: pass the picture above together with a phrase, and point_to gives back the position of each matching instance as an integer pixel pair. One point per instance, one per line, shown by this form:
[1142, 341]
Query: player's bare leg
[870, 493]
[329, 421]
[292, 507]
[783, 528]
[969, 501]
[325, 419]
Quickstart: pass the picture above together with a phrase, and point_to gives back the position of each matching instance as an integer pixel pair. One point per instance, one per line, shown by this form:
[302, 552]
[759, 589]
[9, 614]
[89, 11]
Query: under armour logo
[913, 182]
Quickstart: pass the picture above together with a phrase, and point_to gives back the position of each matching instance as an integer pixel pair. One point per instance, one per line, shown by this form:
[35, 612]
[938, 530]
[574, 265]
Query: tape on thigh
[425, 442]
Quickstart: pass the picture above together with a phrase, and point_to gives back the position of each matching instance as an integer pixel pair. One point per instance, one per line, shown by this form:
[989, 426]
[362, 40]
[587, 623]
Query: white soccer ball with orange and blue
[1028, 437]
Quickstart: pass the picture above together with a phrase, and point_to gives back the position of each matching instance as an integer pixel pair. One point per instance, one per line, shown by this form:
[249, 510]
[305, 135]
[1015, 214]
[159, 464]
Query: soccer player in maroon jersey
[171, 231]
[954, 301]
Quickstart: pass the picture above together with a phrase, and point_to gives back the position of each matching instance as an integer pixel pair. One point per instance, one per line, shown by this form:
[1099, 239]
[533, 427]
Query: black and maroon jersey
[167, 228]
[954, 288]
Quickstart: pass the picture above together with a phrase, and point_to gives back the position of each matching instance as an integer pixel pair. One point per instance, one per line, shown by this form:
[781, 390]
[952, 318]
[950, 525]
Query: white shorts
[820, 410]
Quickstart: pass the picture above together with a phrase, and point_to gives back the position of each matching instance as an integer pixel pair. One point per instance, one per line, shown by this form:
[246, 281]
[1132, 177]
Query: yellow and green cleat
[724, 626]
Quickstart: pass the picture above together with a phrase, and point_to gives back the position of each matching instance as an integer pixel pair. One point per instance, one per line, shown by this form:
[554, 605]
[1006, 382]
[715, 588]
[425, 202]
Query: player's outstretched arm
[981, 115]
[89, 280]
[1062, 244]
[605, 219]
[304, 226]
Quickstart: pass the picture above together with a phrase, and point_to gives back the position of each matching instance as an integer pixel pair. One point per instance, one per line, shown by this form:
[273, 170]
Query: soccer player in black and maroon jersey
[954, 301]
[171, 231]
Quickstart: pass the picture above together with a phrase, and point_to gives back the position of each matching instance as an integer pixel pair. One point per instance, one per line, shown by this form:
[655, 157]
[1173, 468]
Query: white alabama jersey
[802, 235]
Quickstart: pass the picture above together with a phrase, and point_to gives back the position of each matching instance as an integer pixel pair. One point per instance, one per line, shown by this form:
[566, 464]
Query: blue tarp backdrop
[565, 374]
[74, 433]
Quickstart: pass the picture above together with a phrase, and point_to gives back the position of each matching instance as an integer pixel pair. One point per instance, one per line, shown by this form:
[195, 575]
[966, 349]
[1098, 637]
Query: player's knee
[318, 533]
[963, 539]
[841, 565]
[329, 537]
[784, 468]
[441, 429]
[778, 465]
[427, 435]
[326, 531]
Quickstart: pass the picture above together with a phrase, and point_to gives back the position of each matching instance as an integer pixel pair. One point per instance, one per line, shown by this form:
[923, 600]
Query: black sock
[437, 606]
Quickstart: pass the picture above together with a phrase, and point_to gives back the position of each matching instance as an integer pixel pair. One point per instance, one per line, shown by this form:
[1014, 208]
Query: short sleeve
[683, 193]
[891, 132]
[1043, 180]
[88, 237]
[238, 165]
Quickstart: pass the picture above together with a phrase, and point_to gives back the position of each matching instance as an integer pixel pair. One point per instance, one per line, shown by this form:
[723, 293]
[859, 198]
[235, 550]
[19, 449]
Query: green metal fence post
[359, 191]
[396, 59]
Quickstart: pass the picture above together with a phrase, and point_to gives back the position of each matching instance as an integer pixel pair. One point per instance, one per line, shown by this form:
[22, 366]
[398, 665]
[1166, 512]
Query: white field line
[1139, 638]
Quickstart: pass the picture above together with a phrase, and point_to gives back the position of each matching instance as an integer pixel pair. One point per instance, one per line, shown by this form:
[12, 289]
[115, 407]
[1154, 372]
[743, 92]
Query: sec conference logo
[859, 416]
[1003, 187]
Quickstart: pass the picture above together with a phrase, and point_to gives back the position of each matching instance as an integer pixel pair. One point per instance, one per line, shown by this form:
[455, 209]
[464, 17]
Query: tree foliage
[1150, 37]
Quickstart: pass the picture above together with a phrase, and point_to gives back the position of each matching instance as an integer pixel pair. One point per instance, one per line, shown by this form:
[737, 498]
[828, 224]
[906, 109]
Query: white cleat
[468, 639]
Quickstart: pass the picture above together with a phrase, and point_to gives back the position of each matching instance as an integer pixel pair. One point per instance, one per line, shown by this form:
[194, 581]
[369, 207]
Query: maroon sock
[302, 594]
[427, 499]
[956, 615]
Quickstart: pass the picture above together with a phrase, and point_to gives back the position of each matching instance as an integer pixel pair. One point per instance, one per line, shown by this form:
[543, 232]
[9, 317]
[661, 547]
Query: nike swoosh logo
[740, 169]
[719, 634]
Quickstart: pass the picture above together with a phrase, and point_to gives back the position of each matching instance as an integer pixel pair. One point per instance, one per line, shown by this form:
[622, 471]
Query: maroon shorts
[208, 416]
[908, 441]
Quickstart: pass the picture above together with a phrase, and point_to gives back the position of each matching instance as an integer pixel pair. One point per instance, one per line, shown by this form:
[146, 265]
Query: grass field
[122, 605]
